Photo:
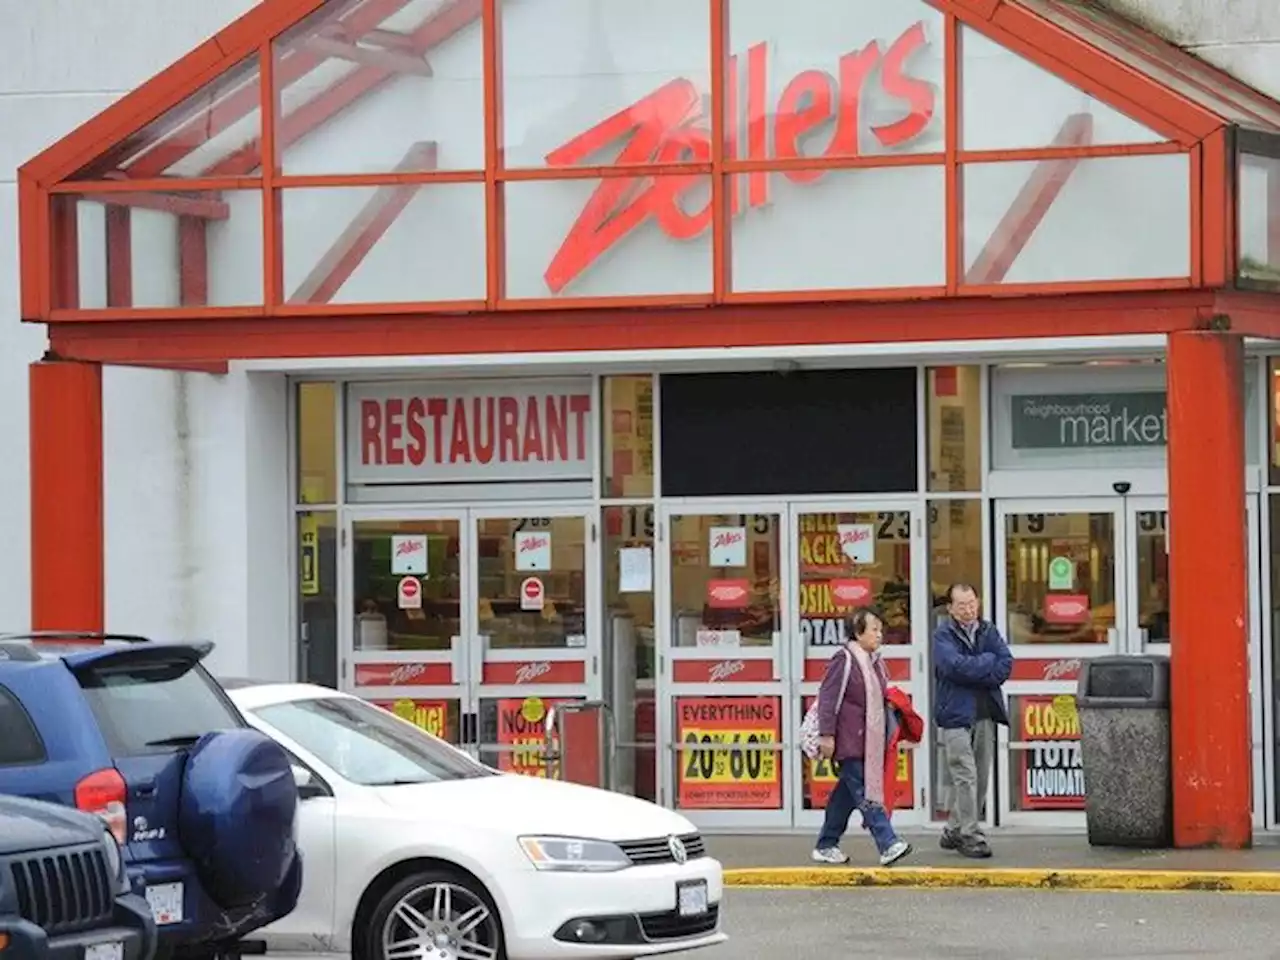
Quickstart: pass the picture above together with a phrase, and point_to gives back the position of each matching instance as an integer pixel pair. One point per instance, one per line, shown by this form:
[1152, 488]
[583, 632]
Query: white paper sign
[635, 570]
[858, 541]
[533, 550]
[728, 546]
[409, 556]
[410, 594]
[719, 638]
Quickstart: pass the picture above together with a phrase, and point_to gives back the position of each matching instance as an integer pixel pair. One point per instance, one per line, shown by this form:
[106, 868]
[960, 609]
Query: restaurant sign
[1084, 420]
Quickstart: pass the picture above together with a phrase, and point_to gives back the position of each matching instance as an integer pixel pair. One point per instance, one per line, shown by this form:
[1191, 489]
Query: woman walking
[853, 724]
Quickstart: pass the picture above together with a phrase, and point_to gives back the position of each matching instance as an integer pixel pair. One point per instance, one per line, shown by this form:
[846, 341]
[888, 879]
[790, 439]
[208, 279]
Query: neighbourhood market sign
[1082, 420]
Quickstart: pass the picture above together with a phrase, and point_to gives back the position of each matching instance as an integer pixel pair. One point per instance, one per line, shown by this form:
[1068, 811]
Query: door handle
[457, 662]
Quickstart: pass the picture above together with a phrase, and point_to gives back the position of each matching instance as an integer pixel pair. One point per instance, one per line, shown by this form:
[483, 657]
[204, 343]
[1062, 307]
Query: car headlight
[115, 861]
[573, 855]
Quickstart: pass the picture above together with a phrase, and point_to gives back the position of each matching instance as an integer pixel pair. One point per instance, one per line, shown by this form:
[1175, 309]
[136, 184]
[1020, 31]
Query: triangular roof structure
[200, 130]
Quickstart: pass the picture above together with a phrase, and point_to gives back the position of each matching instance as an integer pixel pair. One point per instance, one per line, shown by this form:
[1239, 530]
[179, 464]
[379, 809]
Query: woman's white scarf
[874, 742]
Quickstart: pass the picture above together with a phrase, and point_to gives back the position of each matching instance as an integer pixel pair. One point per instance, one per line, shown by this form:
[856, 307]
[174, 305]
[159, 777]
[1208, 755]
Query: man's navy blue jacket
[966, 672]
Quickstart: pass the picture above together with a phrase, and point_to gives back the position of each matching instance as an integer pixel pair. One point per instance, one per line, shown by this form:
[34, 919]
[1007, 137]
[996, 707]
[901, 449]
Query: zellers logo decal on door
[670, 125]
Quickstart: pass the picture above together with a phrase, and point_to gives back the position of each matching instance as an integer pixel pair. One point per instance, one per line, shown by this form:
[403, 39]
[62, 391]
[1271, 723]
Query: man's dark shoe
[950, 839]
[975, 849]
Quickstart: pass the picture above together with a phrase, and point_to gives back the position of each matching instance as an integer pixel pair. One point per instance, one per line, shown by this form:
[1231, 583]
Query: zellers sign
[670, 125]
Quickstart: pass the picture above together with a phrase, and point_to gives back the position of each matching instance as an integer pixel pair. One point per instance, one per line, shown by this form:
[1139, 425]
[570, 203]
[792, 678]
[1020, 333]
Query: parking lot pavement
[991, 925]
[1018, 925]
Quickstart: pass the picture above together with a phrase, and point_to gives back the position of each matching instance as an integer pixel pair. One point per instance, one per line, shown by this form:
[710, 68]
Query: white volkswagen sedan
[415, 851]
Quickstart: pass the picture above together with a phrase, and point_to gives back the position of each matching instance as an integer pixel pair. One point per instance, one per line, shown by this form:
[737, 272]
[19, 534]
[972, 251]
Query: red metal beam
[193, 262]
[1030, 206]
[653, 328]
[119, 243]
[184, 205]
[392, 61]
[365, 230]
[361, 82]
[245, 101]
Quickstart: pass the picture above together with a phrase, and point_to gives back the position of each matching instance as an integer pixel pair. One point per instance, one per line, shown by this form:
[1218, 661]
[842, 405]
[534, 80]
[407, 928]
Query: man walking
[971, 662]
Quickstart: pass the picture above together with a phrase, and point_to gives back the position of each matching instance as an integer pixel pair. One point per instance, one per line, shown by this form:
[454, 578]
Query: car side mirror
[308, 786]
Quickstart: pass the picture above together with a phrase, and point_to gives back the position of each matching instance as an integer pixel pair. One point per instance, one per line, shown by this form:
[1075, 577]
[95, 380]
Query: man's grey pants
[968, 754]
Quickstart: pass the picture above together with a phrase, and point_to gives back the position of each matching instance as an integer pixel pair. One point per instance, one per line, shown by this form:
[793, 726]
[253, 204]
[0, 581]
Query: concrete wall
[197, 532]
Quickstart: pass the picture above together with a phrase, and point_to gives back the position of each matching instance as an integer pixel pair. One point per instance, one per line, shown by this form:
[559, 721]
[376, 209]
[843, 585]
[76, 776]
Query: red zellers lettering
[528, 672]
[670, 125]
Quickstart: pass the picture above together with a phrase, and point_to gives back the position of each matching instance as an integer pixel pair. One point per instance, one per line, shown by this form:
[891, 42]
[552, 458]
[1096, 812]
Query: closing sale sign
[469, 431]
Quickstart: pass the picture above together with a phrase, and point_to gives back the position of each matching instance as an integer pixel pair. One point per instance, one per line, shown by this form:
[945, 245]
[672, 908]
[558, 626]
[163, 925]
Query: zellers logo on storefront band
[528, 672]
[670, 125]
[725, 669]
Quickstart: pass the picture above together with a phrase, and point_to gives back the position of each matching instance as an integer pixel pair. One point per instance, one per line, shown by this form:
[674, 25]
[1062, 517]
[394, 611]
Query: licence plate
[691, 898]
[104, 951]
[166, 903]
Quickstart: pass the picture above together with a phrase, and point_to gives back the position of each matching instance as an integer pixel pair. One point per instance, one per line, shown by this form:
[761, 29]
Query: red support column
[1209, 591]
[67, 566]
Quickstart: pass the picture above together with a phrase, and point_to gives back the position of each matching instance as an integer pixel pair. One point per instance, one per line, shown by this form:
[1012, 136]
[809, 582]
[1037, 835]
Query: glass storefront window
[1115, 218]
[851, 560]
[521, 555]
[317, 438]
[1060, 577]
[1045, 769]
[378, 551]
[727, 753]
[725, 580]
[317, 559]
[954, 429]
[628, 436]
[1151, 553]
[955, 556]
[629, 652]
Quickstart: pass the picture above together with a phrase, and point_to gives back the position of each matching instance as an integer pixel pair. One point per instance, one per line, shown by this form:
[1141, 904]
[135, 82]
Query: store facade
[623, 360]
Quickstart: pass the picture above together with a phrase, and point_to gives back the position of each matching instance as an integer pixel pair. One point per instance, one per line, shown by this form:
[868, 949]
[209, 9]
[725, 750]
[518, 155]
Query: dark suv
[63, 890]
[138, 733]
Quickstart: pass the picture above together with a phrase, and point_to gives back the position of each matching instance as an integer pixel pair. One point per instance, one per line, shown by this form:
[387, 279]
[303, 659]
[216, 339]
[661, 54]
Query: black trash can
[1123, 703]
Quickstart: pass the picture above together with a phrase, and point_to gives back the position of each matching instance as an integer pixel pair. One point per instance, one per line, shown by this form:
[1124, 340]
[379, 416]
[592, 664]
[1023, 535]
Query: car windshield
[367, 745]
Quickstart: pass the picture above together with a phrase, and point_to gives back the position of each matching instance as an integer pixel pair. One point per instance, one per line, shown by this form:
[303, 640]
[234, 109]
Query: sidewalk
[1023, 860]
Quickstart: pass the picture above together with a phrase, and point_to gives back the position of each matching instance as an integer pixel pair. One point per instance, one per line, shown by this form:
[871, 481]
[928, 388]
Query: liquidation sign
[1051, 772]
[469, 431]
[522, 735]
[820, 778]
[828, 591]
[429, 715]
[714, 776]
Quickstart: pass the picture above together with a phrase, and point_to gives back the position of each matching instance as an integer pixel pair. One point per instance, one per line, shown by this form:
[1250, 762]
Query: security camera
[1121, 487]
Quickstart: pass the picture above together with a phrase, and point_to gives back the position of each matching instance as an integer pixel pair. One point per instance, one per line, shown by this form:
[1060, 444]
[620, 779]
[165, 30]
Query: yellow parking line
[998, 877]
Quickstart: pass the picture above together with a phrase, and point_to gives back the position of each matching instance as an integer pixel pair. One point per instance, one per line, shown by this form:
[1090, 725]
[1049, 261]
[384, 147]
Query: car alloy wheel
[441, 920]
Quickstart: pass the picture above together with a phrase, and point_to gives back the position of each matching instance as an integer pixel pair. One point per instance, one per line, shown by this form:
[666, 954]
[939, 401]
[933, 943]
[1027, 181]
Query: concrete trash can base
[1123, 703]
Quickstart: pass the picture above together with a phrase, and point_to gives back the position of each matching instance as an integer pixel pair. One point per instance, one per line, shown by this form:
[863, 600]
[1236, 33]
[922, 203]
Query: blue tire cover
[237, 814]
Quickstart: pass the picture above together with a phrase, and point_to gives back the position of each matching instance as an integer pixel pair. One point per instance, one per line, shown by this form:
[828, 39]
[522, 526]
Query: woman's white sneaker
[829, 855]
[895, 853]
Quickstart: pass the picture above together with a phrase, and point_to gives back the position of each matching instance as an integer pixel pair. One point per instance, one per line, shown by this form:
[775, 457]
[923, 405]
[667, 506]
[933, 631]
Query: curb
[944, 878]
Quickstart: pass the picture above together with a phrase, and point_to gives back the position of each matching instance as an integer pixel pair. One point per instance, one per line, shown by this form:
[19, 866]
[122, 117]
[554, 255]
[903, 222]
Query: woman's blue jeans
[850, 794]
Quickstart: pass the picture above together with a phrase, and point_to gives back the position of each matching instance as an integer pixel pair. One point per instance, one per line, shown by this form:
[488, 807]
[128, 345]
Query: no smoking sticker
[532, 594]
[409, 594]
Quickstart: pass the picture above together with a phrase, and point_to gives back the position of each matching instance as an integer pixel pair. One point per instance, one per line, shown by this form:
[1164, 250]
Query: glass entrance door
[1061, 597]
[847, 555]
[723, 721]
[536, 638]
[473, 623]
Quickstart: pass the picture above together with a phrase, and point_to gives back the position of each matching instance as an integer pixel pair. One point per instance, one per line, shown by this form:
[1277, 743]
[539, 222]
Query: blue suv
[140, 734]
